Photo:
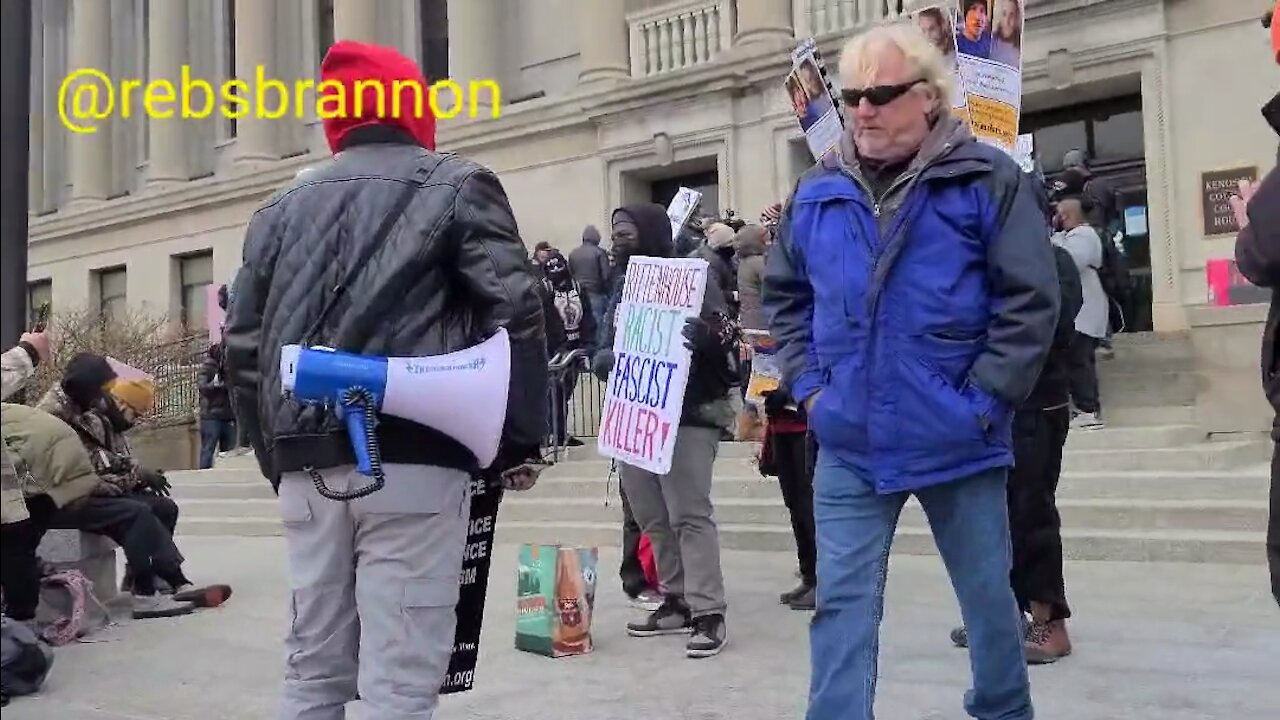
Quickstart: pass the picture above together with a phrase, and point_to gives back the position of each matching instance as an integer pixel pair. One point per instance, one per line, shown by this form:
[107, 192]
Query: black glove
[776, 401]
[156, 482]
[701, 337]
[602, 365]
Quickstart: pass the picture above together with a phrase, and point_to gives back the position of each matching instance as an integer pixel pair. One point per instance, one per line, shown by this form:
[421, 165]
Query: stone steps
[1247, 483]
[1104, 514]
[1180, 545]
[1147, 487]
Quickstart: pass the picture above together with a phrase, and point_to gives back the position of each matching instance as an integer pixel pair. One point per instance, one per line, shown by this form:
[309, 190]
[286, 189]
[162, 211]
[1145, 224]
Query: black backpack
[1114, 271]
[25, 660]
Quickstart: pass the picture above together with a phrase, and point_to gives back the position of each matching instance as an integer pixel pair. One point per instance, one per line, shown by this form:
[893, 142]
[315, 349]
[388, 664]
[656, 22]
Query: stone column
[256, 136]
[168, 154]
[602, 41]
[763, 20]
[35, 137]
[475, 53]
[357, 20]
[90, 152]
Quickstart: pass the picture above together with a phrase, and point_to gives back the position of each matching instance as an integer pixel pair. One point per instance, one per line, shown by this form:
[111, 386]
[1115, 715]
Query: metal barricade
[563, 374]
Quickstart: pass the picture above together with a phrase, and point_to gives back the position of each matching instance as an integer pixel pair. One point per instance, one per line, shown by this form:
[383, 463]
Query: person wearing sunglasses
[914, 295]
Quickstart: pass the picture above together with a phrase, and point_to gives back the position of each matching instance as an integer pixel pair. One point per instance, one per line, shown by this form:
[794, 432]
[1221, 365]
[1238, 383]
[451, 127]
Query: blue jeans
[855, 527]
[216, 435]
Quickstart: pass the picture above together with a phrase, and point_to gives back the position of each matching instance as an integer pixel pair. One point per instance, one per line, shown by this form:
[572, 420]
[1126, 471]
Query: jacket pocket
[930, 412]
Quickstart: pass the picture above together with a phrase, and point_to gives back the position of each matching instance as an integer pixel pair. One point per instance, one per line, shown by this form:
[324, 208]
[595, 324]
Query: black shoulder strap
[402, 203]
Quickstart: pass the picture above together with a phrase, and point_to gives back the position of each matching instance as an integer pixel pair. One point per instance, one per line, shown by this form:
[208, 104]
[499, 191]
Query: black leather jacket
[450, 271]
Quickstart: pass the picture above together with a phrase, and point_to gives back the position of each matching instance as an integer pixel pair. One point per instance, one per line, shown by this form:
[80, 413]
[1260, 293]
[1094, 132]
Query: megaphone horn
[426, 390]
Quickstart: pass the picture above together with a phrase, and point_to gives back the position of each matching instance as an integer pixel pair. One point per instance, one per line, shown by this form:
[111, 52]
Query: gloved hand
[701, 337]
[776, 401]
[602, 365]
[155, 481]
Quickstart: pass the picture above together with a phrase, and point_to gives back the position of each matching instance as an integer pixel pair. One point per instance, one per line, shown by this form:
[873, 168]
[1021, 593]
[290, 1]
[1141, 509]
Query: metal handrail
[558, 367]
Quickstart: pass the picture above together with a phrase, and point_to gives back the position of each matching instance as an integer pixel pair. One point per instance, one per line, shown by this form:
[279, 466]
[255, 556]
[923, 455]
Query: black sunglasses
[878, 95]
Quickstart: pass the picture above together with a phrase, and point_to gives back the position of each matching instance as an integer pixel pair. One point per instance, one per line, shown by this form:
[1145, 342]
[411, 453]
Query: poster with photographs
[938, 23]
[988, 37]
[812, 100]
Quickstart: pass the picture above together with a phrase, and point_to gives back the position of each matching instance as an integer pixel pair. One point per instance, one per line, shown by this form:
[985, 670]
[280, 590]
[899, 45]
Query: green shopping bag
[555, 596]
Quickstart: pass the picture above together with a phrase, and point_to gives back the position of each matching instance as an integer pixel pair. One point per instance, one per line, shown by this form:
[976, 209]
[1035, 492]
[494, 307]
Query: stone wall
[1227, 343]
[168, 447]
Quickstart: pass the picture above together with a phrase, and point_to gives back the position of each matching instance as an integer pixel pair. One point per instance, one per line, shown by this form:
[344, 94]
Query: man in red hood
[392, 250]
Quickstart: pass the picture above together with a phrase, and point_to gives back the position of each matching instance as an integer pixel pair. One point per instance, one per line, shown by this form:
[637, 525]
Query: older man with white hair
[914, 294]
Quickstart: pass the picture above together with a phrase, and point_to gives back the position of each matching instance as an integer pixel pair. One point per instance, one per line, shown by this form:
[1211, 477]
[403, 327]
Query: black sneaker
[671, 618]
[709, 637]
[807, 600]
[786, 597]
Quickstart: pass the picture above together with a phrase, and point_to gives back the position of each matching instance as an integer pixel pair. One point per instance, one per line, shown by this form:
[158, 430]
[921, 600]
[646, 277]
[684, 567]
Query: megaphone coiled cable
[357, 397]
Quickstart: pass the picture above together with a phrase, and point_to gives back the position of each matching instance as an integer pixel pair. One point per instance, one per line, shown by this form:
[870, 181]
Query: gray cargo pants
[374, 585]
[675, 511]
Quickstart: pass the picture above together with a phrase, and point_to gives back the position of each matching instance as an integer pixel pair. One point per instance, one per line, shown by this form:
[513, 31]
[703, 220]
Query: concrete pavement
[1153, 642]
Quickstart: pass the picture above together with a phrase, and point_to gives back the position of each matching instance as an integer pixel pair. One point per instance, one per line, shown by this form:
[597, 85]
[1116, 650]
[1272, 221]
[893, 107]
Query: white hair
[860, 58]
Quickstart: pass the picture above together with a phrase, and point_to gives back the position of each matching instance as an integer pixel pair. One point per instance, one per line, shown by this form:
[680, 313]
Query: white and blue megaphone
[462, 394]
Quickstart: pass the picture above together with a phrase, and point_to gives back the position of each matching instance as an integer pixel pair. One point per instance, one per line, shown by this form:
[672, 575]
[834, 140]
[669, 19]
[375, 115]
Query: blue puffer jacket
[923, 318]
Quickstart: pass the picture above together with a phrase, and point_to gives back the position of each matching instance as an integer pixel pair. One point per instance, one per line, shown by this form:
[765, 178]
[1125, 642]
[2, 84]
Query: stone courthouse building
[606, 102]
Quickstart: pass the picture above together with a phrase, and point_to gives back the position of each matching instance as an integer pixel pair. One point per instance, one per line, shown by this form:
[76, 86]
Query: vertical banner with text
[989, 52]
[473, 586]
[645, 391]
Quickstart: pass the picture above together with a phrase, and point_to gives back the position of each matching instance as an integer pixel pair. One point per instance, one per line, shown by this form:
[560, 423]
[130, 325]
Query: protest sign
[812, 99]
[1024, 152]
[681, 209]
[938, 23]
[128, 372]
[473, 586]
[215, 317]
[645, 391]
[1229, 286]
[989, 55]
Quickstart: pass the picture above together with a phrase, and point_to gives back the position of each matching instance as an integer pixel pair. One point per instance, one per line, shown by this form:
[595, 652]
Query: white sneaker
[159, 606]
[1087, 421]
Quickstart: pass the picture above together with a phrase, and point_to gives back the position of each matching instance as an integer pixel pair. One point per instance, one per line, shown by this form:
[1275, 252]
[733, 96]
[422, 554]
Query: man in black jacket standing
[393, 250]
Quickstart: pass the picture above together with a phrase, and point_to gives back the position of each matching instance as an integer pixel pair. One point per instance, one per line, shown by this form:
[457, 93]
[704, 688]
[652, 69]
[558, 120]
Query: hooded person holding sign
[674, 509]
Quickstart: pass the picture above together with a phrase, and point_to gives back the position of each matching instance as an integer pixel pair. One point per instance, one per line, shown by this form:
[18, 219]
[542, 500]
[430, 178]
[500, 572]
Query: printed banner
[938, 23]
[989, 54]
[645, 391]
[681, 209]
[812, 100]
[1228, 286]
[474, 585]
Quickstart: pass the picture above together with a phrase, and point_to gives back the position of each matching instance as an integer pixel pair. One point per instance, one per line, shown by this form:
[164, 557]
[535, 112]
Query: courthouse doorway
[1111, 132]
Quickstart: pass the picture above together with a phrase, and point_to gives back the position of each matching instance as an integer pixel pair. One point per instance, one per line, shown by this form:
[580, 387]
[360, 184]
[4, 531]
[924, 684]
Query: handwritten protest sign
[645, 391]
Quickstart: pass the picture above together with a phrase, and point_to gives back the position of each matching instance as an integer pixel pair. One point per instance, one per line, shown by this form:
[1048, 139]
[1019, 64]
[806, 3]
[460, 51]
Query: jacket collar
[375, 134]
[949, 141]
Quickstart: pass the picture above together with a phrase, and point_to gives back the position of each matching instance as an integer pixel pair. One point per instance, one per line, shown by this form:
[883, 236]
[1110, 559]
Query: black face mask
[111, 410]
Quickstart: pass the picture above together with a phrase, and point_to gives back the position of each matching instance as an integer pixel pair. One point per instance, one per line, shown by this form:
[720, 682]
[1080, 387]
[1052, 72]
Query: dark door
[707, 183]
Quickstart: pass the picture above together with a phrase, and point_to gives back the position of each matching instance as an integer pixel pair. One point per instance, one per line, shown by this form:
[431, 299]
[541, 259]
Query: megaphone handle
[360, 429]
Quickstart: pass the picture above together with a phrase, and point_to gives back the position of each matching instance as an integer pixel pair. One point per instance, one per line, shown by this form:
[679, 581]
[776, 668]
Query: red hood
[349, 62]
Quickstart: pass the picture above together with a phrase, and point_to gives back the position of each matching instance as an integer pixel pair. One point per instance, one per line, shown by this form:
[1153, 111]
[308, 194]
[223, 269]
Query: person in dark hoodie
[1257, 210]
[391, 249]
[571, 326]
[675, 509]
[218, 430]
[589, 264]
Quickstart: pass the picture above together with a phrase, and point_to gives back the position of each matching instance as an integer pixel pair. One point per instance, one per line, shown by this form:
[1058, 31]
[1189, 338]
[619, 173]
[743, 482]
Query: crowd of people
[937, 311]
